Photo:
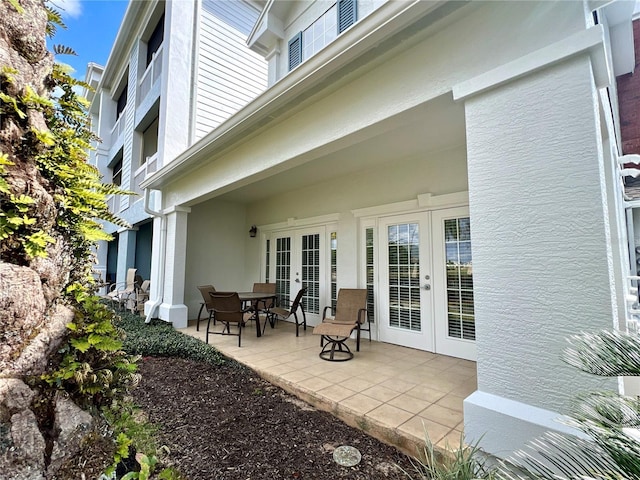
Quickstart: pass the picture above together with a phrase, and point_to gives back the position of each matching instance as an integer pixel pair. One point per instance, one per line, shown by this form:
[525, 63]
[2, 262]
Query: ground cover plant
[219, 419]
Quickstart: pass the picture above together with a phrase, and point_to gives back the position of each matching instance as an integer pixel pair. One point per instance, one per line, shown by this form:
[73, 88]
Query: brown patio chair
[120, 294]
[205, 290]
[350, 314]
[227, 309]
[283, 313]
[265, 306]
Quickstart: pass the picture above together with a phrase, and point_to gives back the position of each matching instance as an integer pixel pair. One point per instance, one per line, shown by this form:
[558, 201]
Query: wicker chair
[350, 315]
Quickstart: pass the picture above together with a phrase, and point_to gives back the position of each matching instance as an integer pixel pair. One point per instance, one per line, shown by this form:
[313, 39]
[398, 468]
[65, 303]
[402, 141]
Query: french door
[405, 297]
[425, 275]
[300, 260]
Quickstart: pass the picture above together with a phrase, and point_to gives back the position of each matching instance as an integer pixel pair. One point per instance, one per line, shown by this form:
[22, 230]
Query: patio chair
[265, 306]
[140, 297]
[350, 314]
[205, 290]
[283, 313]
[121, 293]
[227, 309]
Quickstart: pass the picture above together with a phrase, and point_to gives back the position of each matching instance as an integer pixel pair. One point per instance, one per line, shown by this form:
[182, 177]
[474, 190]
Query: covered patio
[391, 392]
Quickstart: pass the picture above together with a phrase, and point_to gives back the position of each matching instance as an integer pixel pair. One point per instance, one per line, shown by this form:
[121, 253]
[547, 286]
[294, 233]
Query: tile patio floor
[391, 392]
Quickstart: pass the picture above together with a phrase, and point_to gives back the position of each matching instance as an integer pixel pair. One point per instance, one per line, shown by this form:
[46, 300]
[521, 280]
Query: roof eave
[370, 31]
[119, 50]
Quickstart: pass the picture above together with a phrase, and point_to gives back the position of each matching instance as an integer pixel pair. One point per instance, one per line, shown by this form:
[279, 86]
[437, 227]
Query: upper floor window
[155, 40]
[320, 33]
[323, 31]
[116, 172]
[122, 101]
[149, 142]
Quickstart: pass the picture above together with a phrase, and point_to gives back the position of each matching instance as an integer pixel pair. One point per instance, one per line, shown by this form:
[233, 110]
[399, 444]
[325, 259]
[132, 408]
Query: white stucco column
[542, 261]
[173, 308]
[158, 243]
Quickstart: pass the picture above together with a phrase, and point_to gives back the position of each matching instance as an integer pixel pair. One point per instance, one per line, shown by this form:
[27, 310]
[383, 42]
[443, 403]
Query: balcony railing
[113, 201]
[118, 128]
[151, 75]
[147, 168]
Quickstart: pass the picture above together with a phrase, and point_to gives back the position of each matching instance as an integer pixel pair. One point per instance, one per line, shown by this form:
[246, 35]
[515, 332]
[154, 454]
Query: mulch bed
[225, 422]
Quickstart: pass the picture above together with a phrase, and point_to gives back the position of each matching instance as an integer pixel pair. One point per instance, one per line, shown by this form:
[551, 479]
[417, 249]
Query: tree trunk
[32, 324]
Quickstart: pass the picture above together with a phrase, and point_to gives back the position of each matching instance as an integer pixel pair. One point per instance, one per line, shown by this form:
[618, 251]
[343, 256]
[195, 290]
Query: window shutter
[295, 51]
[347, 14]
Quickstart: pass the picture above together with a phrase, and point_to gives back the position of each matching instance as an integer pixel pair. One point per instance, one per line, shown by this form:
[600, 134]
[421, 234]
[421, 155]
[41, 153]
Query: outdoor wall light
[253, 231]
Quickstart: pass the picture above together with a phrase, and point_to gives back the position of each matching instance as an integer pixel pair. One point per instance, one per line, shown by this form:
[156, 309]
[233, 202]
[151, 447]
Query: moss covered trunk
[34, 430]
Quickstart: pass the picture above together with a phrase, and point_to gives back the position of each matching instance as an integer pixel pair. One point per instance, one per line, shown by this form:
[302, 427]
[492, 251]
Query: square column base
[174, 314]
[506, 425]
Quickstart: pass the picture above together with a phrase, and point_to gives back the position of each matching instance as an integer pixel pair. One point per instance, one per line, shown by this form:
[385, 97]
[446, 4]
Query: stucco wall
[541, 269]
[395, 181]
[214, 254]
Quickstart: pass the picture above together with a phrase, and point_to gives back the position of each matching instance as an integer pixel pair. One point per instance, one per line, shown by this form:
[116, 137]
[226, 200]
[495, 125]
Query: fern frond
[63, 50]
[54, 17]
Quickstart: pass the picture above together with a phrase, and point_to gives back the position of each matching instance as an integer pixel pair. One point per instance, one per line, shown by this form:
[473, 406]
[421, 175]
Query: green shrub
[464, 462]
[91, 366]
[160, 339]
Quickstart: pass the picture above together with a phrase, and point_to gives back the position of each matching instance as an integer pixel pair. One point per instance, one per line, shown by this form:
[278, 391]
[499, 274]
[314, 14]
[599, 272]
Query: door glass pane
[311, 272]
[334, 270]
[404, 276]
[370, 273]
[283, 269]
[268, 252]
[460, 311]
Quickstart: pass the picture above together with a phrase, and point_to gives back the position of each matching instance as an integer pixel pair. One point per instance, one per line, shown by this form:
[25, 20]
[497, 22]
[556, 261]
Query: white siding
[128, 165]
[229, 75]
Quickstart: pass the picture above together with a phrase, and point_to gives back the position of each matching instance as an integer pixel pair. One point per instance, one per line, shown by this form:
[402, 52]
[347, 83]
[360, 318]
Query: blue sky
[92, 26]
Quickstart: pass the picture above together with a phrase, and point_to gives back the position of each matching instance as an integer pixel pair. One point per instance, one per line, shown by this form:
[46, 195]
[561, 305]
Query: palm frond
[605, 353]
[607, 409]
[555, 456]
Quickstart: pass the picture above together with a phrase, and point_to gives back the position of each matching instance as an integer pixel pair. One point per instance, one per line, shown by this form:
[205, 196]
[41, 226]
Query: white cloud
[69, 8]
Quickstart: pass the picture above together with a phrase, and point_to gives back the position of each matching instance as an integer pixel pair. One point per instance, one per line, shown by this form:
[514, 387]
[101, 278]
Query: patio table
[255, 298]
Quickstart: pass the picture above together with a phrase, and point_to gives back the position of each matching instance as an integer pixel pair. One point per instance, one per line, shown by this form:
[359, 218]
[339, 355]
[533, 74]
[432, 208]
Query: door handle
[427, 287]
[297, 280]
